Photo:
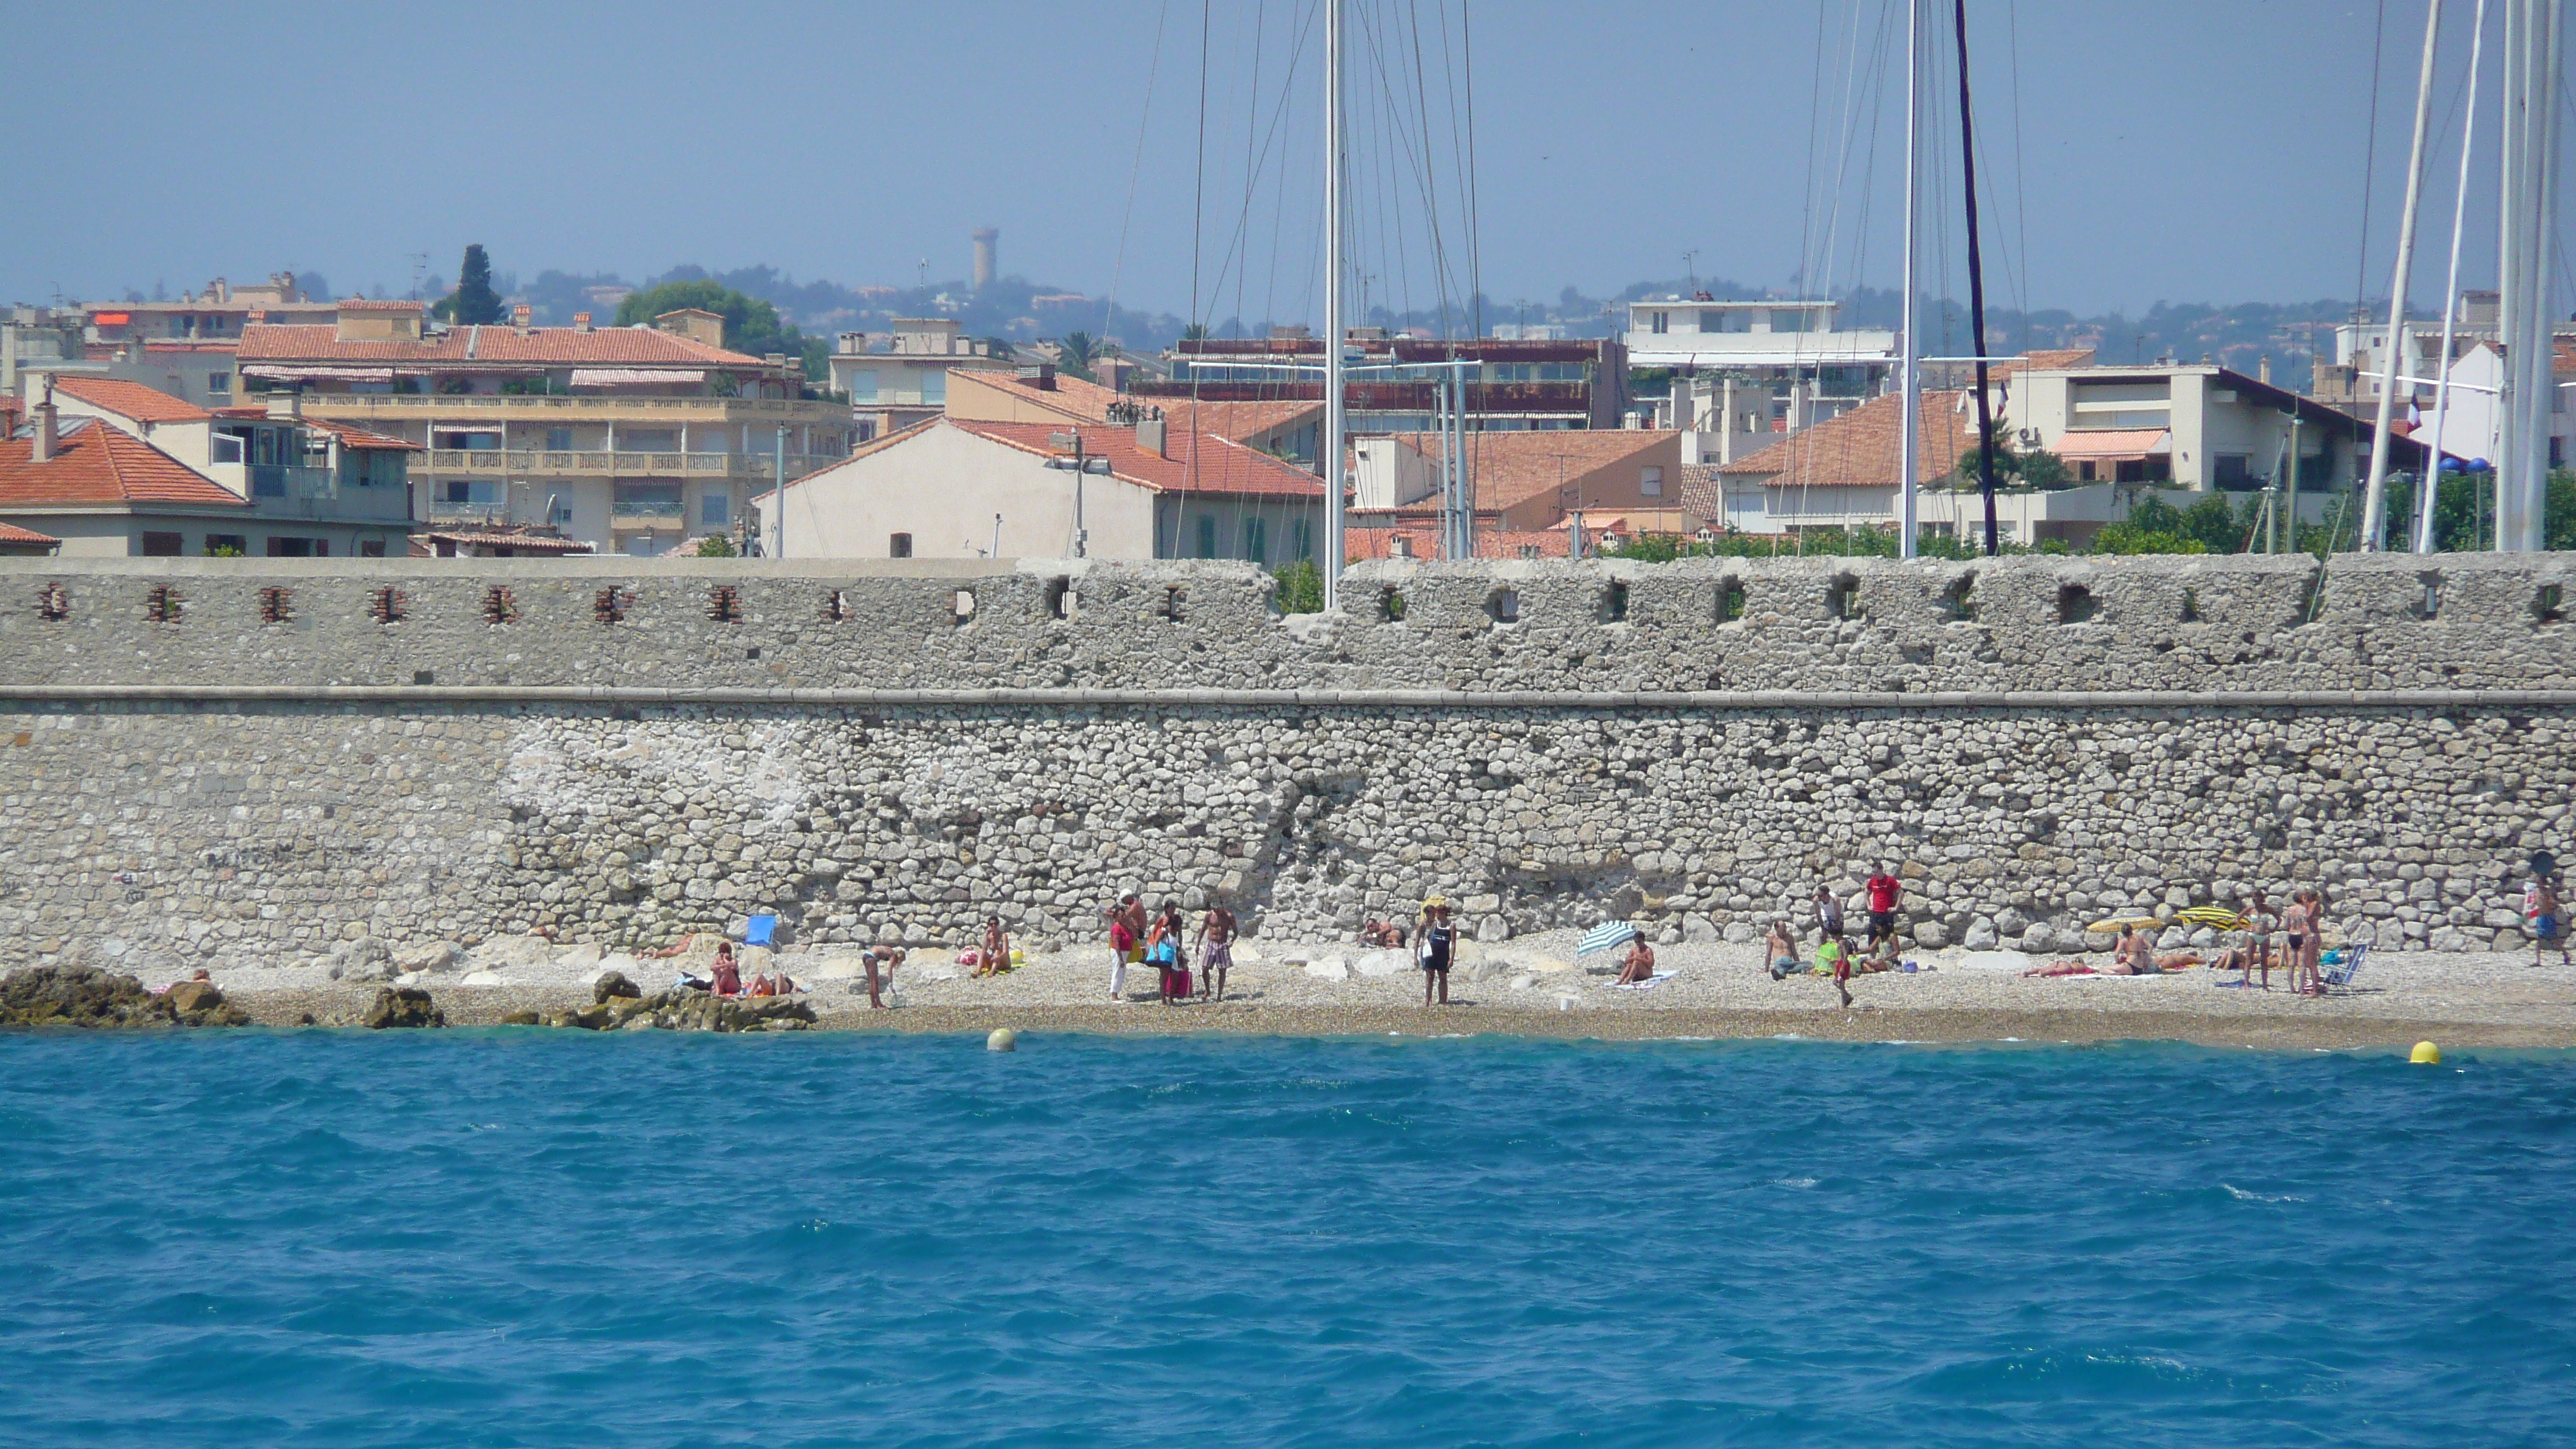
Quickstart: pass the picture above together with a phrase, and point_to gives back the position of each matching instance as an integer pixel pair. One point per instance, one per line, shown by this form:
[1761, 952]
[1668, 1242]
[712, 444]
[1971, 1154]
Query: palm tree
[1075, 351]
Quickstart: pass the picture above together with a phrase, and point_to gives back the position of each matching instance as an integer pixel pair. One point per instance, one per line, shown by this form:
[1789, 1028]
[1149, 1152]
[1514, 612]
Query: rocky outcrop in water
[402, 1006]
[612, 986]
[88, 997]
[677, 1011]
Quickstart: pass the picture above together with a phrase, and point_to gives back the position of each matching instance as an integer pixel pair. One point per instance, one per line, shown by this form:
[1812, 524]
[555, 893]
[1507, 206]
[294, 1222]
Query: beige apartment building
[631, 439]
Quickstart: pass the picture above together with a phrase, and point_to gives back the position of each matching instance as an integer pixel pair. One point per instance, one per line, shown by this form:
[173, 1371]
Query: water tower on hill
[985, 236]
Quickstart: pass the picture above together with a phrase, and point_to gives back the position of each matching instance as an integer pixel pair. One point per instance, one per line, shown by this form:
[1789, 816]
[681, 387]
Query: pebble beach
[1534, 986]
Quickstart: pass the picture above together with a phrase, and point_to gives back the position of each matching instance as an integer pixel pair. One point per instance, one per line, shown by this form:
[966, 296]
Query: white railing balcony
[494, 463]
[445, 511]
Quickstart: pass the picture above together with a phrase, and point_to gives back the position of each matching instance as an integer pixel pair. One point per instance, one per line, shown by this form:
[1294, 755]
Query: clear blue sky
[2180, 149]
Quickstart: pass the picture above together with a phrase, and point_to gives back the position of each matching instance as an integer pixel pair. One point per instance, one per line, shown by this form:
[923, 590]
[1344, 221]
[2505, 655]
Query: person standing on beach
[879, 962]
[1163, 950]
[2547, 914]
[1829, 913]
[2260, 923]
[1885, 890]
[2295, 931]
[1216, 949]
[1436, 938]
[1126, 941]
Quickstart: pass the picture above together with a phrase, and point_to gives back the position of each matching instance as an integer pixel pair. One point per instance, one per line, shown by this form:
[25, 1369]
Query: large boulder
[1931, 935]
[425, 956]
[402, 1006]
[611, 985]
[1982, 935]
[85, 996]
[1383, 963]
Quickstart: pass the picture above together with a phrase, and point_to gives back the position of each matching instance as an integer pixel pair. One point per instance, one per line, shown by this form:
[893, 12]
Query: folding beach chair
[760, 931]
[2338, 966]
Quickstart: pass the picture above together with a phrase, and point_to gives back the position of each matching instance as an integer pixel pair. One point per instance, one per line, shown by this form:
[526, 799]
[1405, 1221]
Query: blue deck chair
[760, 931]
[2339, 966]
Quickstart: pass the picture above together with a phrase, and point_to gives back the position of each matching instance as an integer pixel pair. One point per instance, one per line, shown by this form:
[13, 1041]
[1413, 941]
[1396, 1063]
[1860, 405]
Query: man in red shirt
[1885, 890]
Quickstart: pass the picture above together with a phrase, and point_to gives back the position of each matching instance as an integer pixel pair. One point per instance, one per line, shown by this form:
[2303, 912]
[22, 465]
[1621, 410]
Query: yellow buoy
[2425, 1054]
[1004, 1039]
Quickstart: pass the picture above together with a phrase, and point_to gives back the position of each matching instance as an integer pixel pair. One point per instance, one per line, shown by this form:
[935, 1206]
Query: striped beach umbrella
[1608, 936]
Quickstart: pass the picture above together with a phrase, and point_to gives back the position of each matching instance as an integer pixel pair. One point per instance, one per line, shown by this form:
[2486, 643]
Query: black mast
[1976, 280]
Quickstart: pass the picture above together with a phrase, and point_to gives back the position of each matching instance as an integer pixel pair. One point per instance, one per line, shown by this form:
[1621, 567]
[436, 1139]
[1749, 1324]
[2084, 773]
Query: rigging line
[2369, 159]
[2021, 197]
[1135, 169]
[1815, 124]
[1237, 245]
[1399, 148]
[1279, 202]
[1475, 223]
[1430, 180]
[1976, 278]
[1198, 210]
[1385, 128]
[1822, 257]
[1251, 125]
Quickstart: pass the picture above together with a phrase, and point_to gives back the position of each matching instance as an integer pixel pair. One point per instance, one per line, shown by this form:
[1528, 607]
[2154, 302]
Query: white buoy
[1003, 1039]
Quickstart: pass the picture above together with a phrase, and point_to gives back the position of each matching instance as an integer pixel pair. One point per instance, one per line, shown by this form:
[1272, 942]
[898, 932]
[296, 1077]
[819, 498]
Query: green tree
[715, 545]
[750, 325]
[473, 303]
[1299, 588]
[1075, 353]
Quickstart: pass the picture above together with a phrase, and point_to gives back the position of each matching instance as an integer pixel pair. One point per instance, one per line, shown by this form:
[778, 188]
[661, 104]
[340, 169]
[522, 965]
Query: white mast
[2374, 498]
[1910, 425]
[2534, 53]
[2431, 484]
[1334, 550]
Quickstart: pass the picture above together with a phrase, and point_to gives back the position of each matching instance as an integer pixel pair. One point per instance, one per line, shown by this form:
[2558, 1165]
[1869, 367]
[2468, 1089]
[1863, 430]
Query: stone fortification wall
[2039, 742]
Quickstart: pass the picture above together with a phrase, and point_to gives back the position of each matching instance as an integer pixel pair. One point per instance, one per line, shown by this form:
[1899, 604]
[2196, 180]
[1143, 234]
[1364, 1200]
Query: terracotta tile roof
[348, 436]
[129, 399]
[98, 465]
[1702, 493]
[1510, 469]
[1859, 449]
[12, 533]
[552, 346]
[2049, 358]
[1234, 421]
[1222, 466]
[1366, 542]
[377, 304]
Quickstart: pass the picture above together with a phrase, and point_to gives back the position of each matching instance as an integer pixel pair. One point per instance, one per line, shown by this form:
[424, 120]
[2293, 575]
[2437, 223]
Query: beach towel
[1646, 985]
[760, 931]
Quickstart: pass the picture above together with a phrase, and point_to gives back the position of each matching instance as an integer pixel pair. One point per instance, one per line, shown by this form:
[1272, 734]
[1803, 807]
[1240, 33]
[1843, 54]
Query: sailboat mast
[2374, 497]
[2534, 55]
[1909, 371]
[2431, 484]
[1334, 549]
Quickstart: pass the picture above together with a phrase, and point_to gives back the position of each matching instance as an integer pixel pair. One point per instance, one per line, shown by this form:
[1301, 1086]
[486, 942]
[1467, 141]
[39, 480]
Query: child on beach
[2541, 907]
[1833, 958]
[1436, 938]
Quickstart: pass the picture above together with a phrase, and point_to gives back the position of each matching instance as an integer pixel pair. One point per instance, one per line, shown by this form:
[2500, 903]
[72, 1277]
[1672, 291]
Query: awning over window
[2114, 445]
[615, 376]
[275, 372]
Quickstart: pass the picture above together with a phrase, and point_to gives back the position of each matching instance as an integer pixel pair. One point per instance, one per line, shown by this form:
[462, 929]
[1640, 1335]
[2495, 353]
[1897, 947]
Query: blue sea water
[534, 1238]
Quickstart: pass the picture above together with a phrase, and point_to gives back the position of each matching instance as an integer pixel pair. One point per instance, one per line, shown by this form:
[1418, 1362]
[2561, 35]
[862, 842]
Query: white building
[898, 379]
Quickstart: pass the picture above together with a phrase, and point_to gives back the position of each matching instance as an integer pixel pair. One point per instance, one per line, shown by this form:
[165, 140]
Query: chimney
[48, 435]
[519, 316]
[580, 321]
[1040, 376]
[1151, 435]
[985, 236]
[2263, 374]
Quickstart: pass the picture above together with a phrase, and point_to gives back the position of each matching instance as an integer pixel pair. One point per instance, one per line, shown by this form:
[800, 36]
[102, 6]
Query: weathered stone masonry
[211, 758]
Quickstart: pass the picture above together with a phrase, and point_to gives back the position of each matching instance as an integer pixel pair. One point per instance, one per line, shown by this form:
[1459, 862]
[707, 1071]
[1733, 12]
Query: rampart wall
[210, 758]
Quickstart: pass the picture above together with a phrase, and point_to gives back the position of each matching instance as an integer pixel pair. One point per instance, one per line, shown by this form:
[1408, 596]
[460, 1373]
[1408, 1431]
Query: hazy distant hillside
[2239, 335]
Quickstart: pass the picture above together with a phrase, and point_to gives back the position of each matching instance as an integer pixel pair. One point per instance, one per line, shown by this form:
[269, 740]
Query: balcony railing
[494, 463]
[298, 484]
[444, 511]
[657, 514]
[337, 404]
